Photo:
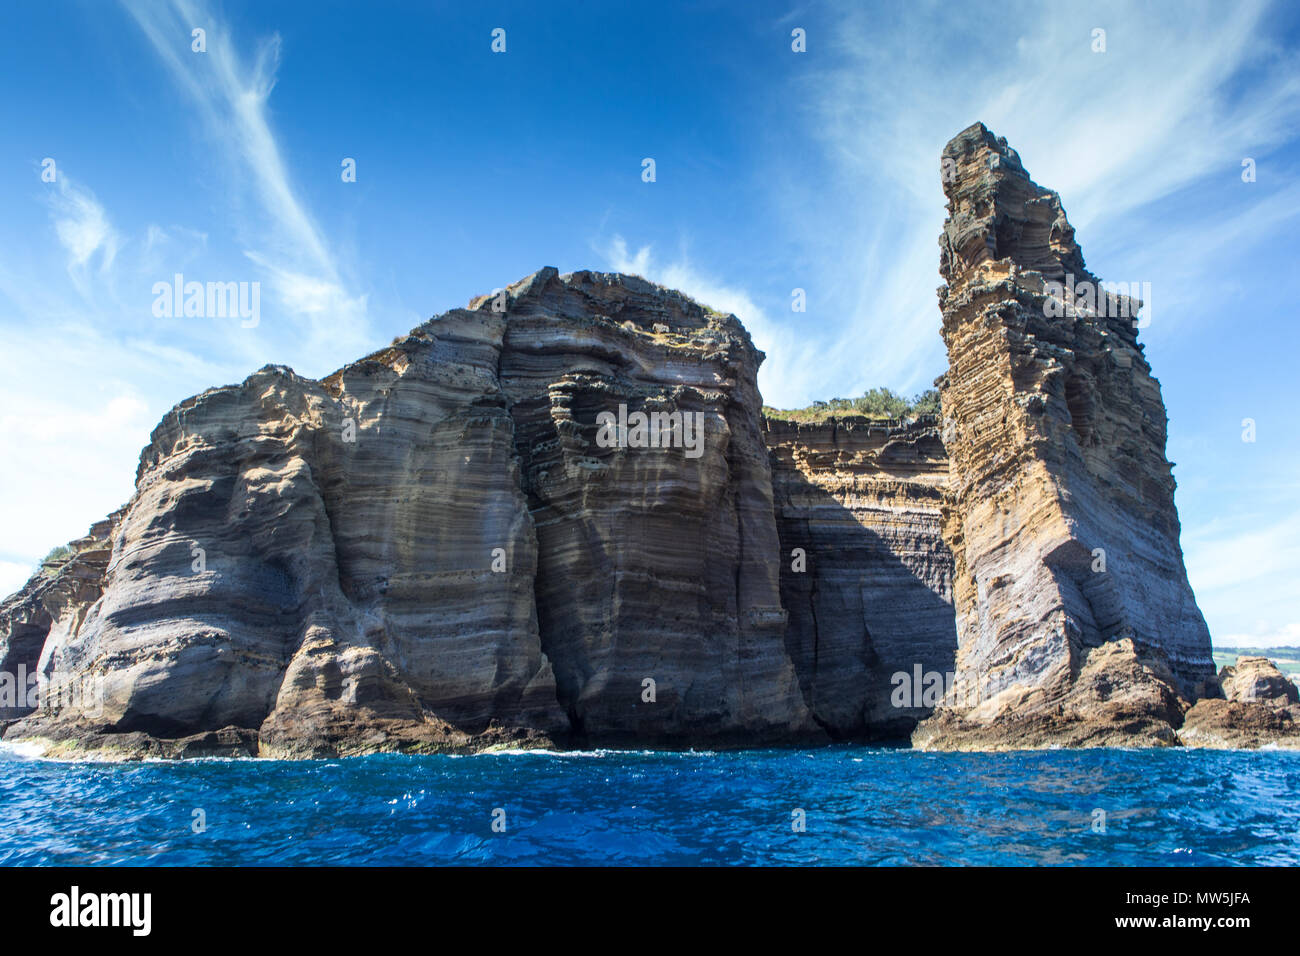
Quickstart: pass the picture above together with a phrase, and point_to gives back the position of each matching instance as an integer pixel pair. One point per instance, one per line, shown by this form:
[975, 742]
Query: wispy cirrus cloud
[232, 92]
[71, 430]
[855, 176]
[1233, 560]
[83, 227]
[1160, 111]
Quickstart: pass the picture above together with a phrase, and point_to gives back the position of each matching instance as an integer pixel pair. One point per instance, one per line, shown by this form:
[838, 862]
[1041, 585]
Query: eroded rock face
[429, 550]
[1056, 433]
[871, 627]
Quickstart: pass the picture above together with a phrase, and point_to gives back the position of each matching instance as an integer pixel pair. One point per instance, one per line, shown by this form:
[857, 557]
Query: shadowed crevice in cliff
[861, 502]
[858, 616]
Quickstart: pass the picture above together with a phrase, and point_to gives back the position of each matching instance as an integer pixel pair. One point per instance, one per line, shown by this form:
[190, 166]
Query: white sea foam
[526, 752]
[21, 750]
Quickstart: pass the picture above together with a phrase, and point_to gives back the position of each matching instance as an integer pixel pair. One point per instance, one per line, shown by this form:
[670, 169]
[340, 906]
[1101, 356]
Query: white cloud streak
[82, 227]
[232, 96]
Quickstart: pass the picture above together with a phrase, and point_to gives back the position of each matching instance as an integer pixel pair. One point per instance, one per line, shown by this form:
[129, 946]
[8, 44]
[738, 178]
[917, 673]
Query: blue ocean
[831, 806]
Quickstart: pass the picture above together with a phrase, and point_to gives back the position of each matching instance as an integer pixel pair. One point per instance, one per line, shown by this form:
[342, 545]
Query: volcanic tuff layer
[430, 549]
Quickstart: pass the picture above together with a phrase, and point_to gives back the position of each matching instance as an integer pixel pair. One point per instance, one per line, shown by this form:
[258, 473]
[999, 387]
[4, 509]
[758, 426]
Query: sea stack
[1076, 624]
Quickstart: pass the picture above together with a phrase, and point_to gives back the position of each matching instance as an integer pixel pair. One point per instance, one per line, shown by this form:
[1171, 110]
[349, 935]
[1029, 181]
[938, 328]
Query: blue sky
[775, 170]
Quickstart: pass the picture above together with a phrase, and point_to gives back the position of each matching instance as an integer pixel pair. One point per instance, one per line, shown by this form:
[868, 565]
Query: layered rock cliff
[1075, 620]
[430, 548]
[866, 577]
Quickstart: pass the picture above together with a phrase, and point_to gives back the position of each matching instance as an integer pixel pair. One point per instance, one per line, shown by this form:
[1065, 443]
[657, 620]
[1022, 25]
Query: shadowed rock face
[654, 563]
[1056, 433]
[872, 599]
[429, 549]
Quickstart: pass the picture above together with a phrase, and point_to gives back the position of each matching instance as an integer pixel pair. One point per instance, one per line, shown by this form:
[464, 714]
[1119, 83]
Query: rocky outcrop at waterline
[558, 518]
[1261, 708]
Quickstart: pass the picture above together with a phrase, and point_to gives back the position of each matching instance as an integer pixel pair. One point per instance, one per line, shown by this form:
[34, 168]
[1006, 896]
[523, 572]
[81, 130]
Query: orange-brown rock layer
[1060, 513]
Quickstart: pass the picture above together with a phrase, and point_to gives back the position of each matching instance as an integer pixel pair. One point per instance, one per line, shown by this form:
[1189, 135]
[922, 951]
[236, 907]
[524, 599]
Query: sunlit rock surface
[429, 549]
[1061, 518]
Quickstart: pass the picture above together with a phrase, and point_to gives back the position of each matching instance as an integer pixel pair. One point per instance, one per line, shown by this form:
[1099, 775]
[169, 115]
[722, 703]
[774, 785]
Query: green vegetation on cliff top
[876, 403]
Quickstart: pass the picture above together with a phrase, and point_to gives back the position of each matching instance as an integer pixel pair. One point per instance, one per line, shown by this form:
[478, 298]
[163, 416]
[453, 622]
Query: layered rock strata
[866, 577]
[430, 548]
[1075, 620]
[51, 606]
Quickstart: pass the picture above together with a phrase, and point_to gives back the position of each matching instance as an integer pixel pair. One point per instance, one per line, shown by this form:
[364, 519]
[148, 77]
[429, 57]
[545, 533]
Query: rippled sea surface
[860, 805]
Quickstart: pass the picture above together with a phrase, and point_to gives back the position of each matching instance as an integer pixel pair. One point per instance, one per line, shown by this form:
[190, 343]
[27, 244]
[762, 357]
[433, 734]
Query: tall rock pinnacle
[1074, 613]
